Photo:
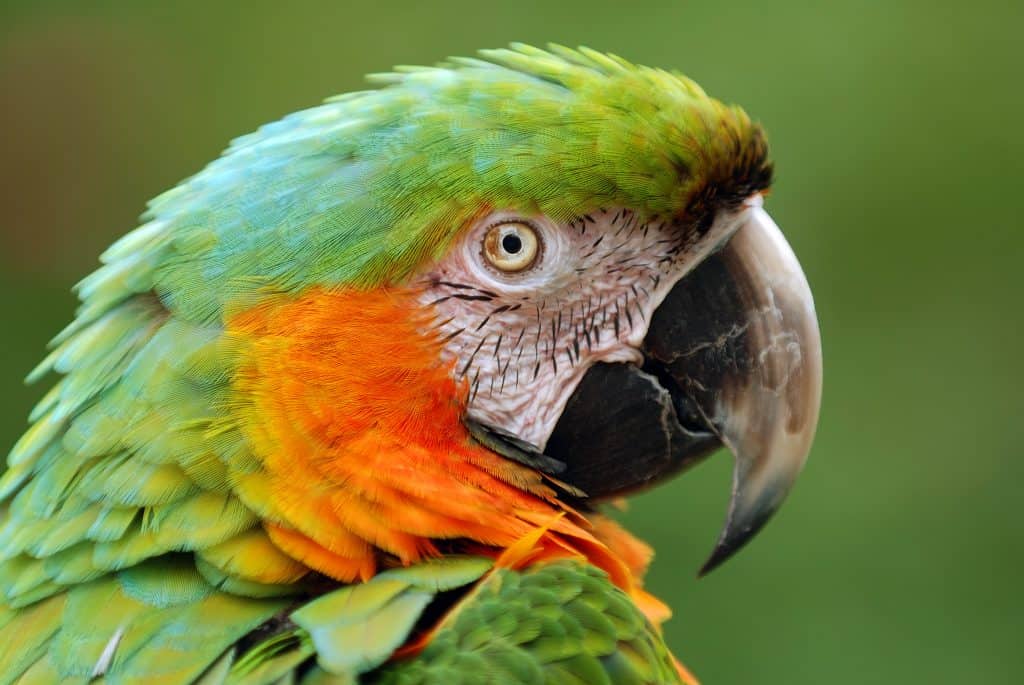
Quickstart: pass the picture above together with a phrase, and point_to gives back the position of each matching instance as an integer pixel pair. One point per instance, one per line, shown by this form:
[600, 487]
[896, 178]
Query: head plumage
[366, 187]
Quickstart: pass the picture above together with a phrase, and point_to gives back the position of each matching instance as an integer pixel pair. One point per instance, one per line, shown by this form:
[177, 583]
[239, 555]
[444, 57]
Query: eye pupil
[511, 246]
[511, 243]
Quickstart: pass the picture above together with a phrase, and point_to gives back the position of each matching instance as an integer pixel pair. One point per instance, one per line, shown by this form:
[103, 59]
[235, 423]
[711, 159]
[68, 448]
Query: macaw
[350, 403]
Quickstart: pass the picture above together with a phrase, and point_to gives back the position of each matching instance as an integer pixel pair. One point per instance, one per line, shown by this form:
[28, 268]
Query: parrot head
[473, 303]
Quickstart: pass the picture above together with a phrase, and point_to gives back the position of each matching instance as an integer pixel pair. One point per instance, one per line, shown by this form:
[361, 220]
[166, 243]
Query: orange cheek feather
[357, 426]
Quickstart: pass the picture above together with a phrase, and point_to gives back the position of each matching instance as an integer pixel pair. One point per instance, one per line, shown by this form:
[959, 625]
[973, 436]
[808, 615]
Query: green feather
[572, 641]
[161, 622]
[24, 640]
[364, 188]
[217, 673]
[117, 511]
[356, 628]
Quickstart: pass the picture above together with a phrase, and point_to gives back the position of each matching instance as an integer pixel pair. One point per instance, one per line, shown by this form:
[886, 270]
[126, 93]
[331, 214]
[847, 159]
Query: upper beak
[733, 357]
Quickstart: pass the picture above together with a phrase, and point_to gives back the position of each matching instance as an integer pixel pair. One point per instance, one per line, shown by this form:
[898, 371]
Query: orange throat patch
[360, 455]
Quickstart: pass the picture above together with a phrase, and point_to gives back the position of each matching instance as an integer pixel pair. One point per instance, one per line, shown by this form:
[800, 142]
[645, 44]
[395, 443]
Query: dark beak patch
[621, 431]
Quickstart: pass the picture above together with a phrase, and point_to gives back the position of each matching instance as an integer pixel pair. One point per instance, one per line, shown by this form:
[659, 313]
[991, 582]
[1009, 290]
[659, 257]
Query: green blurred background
[896, 128]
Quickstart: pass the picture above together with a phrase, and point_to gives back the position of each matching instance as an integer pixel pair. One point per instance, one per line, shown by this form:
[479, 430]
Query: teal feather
[165, 581]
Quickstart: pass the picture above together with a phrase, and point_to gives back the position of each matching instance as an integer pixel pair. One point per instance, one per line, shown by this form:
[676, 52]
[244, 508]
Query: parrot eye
[511, 246]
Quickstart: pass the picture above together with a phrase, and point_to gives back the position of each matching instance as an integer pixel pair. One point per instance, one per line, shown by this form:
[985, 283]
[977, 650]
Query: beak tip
[757, 494]
[733, 539]
[717, 558]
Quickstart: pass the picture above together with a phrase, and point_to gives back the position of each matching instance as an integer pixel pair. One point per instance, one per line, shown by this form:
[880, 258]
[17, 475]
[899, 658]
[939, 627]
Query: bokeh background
[896, 128]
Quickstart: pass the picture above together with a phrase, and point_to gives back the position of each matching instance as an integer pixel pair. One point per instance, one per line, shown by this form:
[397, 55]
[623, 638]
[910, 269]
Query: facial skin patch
[522, 340]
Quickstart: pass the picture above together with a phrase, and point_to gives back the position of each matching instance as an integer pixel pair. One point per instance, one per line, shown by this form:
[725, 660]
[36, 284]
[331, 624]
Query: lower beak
[733, 358]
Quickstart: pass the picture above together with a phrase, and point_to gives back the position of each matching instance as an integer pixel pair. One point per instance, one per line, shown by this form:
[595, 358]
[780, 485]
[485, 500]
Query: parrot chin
[732, 358]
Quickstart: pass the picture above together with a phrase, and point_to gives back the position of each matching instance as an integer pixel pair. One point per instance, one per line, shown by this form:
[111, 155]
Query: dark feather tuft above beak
[732, 358]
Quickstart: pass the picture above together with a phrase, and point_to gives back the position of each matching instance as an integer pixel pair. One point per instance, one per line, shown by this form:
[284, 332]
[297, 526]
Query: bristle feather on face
[523, 340]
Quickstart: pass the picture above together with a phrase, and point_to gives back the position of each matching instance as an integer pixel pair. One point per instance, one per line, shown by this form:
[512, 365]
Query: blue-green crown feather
[364, 188]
